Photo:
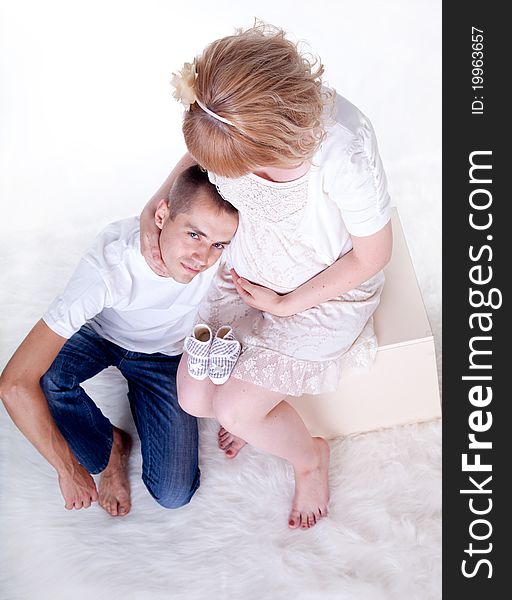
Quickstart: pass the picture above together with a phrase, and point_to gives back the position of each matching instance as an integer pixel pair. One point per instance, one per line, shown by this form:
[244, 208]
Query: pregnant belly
[281, 269]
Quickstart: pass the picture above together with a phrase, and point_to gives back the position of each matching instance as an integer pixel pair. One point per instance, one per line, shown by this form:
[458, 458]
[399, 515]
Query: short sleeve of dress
[359, 188]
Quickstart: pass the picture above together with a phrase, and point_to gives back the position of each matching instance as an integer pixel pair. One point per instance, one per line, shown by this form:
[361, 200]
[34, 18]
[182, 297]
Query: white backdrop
[87, 118]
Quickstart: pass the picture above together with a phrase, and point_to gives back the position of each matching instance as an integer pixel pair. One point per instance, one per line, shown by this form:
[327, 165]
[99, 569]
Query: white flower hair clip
[184, 83]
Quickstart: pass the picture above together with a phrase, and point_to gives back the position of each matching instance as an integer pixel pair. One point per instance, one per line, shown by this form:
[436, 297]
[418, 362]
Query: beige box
[402, 386]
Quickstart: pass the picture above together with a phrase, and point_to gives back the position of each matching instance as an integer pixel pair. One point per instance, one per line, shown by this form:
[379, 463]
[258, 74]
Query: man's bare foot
[311, 490]
[229, 443]
[114, 488]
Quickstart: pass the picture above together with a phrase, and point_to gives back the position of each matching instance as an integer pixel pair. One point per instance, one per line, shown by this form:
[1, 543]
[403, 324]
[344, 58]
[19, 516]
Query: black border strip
[476, 128]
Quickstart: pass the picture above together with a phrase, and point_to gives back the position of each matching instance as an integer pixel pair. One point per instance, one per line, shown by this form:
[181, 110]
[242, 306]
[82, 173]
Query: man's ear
[161, 214]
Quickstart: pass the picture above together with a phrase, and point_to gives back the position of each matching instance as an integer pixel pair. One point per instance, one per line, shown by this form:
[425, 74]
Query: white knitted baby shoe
[198, 346]
[223, 355]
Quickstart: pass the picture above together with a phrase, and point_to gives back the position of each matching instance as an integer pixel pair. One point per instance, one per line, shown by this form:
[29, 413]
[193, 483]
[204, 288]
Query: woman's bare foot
[311, 490]
[229, 443]
[114, 488]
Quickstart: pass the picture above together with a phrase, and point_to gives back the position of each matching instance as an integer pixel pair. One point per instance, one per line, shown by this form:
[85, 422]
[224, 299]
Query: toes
[223, 433]
[233, 449]
[294, 519]
[225, 442]
[305, 520]
[230, 452]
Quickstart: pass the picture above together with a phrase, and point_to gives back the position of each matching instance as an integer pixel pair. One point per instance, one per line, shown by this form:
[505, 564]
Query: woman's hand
[259, 296]
[149, 242]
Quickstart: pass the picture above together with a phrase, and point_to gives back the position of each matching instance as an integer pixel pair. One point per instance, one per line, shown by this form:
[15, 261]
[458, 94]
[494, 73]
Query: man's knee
[173, 494]
[55, 380]
[50, 382]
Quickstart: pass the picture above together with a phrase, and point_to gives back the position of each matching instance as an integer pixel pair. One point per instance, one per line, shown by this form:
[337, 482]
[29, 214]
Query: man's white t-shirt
[123, 300]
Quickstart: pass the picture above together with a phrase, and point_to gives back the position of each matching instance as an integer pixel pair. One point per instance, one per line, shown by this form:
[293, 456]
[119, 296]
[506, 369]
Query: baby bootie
[198, 346]
[223, 355]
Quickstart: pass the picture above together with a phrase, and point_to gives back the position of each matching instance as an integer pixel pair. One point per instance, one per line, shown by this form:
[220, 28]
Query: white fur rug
[380, 541]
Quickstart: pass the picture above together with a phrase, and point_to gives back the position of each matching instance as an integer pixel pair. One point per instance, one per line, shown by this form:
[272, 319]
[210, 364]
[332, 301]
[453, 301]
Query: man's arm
[26, 404]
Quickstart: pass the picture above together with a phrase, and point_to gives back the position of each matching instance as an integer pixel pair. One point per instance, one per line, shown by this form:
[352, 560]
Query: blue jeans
[168, 435]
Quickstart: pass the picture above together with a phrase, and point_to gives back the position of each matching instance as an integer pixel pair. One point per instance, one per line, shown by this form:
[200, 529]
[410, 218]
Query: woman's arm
[368, 256]
[149, 232]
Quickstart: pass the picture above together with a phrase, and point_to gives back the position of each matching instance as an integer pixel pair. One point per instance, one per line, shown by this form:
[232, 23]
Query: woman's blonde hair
[268, 90]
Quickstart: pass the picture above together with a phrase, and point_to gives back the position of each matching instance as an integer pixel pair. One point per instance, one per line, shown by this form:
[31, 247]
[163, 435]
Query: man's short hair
[185, 190]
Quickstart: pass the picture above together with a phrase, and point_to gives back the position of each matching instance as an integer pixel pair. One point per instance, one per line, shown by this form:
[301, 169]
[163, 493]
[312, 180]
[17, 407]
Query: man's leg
[85, 428]
[97, 445]
[169, 437]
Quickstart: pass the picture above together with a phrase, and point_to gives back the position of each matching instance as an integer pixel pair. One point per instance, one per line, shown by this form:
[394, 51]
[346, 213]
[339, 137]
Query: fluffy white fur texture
[380, 541]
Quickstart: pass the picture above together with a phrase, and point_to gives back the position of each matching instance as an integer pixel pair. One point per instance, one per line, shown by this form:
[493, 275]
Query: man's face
[194, 240]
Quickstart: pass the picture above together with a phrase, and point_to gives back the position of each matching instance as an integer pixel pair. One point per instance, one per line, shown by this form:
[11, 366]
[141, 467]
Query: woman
[303, 275]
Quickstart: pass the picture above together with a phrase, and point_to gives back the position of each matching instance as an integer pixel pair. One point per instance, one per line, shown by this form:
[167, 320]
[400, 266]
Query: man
[116, 311]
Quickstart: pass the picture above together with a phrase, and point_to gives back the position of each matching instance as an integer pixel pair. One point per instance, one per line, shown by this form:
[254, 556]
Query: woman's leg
[263, 419]
[194, 397]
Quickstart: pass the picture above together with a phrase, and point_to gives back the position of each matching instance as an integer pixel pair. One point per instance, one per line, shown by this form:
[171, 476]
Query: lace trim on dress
[293, 377]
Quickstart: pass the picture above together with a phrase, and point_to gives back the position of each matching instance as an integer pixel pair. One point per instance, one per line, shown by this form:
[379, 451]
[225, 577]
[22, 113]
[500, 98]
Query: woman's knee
[187, 402]
[229, 413]
[194, 397]
[239, 406]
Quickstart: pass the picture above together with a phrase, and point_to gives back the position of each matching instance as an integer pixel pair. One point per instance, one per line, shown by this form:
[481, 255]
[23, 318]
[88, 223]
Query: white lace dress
[288, 233]
[302, 353]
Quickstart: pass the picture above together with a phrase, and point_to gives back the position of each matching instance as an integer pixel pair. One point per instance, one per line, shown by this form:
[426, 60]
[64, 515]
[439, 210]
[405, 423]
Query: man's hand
[77, 488]
[259, 296]
[149, 232]
[150, 244]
